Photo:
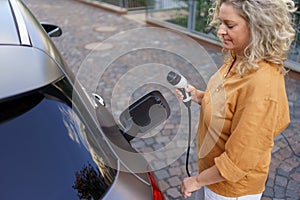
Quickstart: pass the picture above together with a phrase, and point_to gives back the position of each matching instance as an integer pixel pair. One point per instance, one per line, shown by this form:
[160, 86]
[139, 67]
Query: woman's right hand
[196, 95]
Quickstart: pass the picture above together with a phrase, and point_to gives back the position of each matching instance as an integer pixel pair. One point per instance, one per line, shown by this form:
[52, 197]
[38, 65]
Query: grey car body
[52, 145]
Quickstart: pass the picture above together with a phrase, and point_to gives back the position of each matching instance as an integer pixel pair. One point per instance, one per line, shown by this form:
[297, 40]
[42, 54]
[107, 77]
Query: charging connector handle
[180, 82]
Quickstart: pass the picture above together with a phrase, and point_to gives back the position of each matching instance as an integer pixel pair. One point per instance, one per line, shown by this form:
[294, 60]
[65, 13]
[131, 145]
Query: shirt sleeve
[252, 135]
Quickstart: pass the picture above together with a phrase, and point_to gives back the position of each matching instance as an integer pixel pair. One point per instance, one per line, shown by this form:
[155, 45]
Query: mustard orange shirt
[240, 116]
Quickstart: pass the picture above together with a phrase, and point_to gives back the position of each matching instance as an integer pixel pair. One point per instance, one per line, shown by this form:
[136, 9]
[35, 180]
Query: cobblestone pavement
[84, 25]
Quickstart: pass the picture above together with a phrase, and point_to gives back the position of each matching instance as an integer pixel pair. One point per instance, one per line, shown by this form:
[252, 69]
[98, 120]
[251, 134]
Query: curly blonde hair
[271, 28]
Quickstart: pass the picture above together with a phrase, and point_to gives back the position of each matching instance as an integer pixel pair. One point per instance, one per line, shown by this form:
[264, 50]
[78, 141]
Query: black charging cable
[189, 141]
[188, 106]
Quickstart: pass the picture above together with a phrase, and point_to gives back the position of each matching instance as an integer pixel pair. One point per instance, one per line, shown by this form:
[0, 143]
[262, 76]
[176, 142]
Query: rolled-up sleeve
[252, 134]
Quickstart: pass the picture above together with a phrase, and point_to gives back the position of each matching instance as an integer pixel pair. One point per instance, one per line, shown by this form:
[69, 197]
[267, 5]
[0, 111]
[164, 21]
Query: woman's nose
[222, 30]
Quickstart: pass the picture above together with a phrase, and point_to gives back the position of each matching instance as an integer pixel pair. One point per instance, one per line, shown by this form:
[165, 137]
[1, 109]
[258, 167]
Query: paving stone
[157, 146]
[149, 141]
[266, 198]
[281, 181]
[163, 185]
[292, 194]
[138, 144]
[296, 176]
[174, 171]
[173, 193]
[297, 110]
[158, 165]
[281, 142]
[270, 182]
[162, 174]
[279, 191]
[170, 161]
[268, 192]
[174, 181]
[274, 165]
[293, 185]
[293, 162]
[288, 198]
[283, 173]
[285, 153]
[272, 175]
[176, 163]
[146, 149]
[275, 149]
[286, 166]
[163, 139]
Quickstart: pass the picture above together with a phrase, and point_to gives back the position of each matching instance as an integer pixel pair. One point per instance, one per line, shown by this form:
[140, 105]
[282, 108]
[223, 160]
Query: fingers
[184, 191]
[189, 185]
[190, 88]
[179, 94]
[187, 195]
[196, 95]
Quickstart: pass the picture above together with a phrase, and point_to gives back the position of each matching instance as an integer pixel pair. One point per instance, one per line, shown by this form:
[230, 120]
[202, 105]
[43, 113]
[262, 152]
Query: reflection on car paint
[76, 129]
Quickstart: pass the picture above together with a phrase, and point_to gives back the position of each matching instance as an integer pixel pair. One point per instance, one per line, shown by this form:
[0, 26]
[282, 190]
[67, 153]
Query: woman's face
[234, 29]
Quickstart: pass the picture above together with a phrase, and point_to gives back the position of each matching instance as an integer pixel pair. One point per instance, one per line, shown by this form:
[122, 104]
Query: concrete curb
[105, 6]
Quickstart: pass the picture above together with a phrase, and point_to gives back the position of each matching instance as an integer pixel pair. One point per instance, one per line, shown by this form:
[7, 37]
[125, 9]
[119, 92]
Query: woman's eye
[230, 26]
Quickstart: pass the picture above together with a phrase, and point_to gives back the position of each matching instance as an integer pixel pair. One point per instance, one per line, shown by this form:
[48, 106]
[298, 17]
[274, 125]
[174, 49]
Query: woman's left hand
[189, 185]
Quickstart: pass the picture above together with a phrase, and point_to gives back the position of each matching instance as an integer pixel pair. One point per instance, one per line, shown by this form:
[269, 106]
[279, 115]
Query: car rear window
[47, 150]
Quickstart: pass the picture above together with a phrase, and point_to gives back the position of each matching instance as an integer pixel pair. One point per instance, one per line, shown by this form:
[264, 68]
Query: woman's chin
[227, 47]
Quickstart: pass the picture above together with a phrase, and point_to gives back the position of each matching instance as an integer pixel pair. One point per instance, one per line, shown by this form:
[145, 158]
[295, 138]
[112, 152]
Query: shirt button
[218, 88]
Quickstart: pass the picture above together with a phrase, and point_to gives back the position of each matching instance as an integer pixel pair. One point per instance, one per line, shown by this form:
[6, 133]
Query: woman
[245, 104]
